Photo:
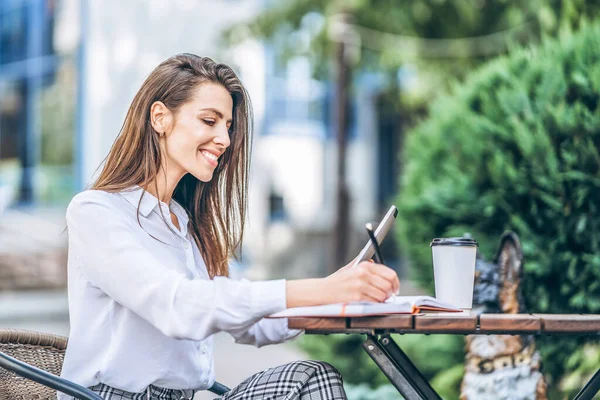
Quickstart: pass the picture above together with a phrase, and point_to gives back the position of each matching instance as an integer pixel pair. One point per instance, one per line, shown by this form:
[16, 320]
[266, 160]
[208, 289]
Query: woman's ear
[160, 117]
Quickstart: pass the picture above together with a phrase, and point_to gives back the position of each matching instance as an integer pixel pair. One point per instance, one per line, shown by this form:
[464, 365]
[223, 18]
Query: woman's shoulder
[93, 198]
[94, 195]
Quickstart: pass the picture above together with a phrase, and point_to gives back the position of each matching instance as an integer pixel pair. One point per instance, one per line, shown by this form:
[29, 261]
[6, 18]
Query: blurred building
[38, 75]
[38, 71]
[70, 68]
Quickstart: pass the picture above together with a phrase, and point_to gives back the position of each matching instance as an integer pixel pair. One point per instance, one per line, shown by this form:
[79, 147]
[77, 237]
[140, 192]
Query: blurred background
[470, 116]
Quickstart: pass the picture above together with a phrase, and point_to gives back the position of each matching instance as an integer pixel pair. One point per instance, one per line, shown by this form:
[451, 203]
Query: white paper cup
[454, 270]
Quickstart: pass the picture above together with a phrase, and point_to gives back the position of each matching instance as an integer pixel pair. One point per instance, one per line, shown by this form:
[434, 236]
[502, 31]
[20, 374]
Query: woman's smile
[210, 157]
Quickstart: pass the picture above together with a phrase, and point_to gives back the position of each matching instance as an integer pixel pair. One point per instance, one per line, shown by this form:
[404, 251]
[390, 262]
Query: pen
[377, 256]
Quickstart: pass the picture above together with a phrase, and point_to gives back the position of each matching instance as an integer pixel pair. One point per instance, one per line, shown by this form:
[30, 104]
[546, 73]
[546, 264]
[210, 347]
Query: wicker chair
[29, 365]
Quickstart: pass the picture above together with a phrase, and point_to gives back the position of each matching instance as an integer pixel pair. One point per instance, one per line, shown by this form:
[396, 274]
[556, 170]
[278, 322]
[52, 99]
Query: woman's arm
[347, 284]
[106, 251]
[266, 331]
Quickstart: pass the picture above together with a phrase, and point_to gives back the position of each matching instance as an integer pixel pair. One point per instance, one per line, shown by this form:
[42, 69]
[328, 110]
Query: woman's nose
[222, 138]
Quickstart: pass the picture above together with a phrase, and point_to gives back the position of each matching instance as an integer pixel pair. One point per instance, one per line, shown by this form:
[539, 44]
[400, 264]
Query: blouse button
[186, 245]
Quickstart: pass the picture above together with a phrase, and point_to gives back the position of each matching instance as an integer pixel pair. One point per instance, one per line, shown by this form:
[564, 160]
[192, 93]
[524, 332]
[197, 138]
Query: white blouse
[143, 311]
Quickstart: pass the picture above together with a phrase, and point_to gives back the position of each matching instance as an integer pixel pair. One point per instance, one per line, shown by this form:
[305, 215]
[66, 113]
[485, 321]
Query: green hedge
[516, 146]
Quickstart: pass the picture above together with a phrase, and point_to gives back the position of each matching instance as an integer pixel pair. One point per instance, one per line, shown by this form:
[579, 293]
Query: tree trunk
[342, 87]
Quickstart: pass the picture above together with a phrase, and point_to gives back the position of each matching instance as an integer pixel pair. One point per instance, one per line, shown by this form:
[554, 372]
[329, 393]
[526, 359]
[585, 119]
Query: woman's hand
[365, 282]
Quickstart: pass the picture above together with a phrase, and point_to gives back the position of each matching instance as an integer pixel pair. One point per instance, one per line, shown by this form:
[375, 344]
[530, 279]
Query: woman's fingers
[373, 293]
[382, 284]
[385, 273]
[367, 281]
[391, 276]
[376, 281]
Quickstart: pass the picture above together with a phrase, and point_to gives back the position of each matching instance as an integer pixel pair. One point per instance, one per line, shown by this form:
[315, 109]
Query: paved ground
[46, 311]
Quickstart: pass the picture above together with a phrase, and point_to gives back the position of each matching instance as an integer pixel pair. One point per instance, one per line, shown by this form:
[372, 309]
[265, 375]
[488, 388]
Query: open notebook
[397, 305]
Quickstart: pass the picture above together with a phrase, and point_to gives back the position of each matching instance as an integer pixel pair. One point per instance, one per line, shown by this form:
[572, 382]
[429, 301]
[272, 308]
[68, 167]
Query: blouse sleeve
[266, 331]
[113, 259]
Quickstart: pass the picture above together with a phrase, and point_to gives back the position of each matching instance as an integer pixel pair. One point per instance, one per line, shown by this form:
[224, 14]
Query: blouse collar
[149, 203]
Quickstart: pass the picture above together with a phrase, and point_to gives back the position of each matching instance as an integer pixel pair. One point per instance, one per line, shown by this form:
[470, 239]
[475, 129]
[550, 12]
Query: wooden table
[401, 371]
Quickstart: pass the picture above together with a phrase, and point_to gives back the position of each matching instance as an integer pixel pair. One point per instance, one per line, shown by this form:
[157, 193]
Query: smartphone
[382, 229]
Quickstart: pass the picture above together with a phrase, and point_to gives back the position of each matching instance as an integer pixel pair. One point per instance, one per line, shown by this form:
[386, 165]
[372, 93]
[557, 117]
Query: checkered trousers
[152, 392]
[299, 380]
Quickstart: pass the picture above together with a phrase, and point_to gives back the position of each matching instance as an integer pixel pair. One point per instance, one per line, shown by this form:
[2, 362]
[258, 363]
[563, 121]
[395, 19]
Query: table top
[448, 323]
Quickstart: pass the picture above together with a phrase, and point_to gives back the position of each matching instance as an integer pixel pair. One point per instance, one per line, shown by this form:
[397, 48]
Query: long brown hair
[216, 209]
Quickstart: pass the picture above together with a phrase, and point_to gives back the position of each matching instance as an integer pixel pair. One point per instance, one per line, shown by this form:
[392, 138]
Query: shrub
[516, 146]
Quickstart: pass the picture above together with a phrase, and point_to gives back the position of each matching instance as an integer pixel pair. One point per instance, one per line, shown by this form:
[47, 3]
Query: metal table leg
[590, 389]
[404, 363]
[391, 370]
[398, 368]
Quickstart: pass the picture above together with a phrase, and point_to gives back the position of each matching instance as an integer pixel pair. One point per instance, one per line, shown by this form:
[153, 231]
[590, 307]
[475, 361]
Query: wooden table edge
[478, 324]
[491, 322]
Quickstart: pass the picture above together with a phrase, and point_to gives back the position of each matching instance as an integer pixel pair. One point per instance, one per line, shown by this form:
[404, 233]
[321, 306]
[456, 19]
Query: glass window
[37, 105]
[12, 128]
[55, 177]
[13, 34]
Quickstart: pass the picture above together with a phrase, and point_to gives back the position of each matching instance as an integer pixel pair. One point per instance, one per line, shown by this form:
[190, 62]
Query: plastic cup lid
[454, 241]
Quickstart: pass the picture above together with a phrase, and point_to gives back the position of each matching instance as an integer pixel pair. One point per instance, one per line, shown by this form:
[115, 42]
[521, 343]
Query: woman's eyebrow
[214, 110]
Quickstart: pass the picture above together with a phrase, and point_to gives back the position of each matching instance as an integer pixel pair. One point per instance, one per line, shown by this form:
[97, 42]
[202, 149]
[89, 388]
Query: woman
[149, 244]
